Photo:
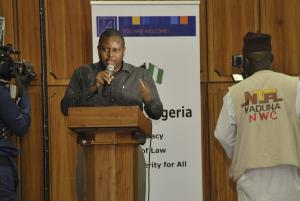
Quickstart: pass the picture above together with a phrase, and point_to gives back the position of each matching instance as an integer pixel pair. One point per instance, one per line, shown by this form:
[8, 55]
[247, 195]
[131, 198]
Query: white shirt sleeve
[298, 100]
[225, 131]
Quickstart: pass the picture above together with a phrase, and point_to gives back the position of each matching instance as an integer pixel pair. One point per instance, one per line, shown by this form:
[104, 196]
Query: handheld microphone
[109, 68]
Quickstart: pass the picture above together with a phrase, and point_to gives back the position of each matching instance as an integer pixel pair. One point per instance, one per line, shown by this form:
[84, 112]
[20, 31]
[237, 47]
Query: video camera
[238, 61]
[9, 68]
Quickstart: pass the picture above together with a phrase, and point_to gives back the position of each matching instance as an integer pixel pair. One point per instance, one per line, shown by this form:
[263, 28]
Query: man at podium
[112, 82]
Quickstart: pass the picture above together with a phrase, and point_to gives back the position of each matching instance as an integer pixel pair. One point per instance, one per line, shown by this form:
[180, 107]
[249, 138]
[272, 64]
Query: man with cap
[259, 125]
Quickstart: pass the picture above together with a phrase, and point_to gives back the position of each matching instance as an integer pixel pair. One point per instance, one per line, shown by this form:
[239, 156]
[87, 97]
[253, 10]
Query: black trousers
[8, 180]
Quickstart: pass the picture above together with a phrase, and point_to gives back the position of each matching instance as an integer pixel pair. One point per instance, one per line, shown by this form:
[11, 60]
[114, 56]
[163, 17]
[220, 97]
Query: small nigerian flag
[157, 73]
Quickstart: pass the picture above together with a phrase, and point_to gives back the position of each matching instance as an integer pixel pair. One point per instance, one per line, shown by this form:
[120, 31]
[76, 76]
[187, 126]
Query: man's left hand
[145, 92]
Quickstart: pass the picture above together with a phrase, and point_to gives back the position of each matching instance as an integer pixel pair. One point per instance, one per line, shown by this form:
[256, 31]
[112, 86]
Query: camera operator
[14, 119]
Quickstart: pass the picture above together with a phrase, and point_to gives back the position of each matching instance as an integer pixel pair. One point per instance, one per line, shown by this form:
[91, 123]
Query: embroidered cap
[256, 42]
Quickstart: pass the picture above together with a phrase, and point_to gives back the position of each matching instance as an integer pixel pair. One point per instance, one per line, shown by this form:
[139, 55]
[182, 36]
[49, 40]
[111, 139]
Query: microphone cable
[149, 161]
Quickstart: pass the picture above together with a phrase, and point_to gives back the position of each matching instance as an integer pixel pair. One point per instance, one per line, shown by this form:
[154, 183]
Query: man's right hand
[101, 78]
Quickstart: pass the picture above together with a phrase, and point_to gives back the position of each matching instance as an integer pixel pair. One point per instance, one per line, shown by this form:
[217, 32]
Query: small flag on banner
[156, 72]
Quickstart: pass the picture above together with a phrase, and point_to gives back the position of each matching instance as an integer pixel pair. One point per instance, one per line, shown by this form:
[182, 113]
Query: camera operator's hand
[26, 73]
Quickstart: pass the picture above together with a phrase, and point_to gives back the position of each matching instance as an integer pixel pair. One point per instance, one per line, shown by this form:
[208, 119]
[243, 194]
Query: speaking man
[111, 81]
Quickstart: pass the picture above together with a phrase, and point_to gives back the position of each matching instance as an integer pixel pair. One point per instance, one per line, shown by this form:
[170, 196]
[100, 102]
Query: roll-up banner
[164, 37]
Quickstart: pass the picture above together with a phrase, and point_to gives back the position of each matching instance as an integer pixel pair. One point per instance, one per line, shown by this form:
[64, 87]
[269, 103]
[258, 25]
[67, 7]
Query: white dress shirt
[280, 183]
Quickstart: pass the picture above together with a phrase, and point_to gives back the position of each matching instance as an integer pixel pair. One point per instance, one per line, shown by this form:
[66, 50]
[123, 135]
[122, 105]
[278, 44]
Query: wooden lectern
[110, 136]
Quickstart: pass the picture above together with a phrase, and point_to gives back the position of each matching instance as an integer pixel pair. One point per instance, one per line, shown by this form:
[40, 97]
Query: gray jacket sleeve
[75, 95]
